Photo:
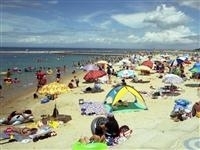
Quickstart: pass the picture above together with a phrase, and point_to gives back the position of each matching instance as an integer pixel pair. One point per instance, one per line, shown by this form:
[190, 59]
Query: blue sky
[166, 24]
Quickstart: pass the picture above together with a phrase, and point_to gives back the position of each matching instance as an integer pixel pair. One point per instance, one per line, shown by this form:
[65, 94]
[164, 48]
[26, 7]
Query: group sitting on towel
[109, 132]
[26, 134]
[182, 110]
[16, 118]
[95, 88]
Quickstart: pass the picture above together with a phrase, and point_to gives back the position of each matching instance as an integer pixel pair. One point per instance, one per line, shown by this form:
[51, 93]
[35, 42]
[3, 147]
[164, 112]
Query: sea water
[18, 62]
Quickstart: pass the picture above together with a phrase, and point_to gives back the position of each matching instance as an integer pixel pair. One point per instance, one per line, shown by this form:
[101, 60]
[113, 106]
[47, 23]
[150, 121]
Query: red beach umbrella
[94, 74]
[148, 63]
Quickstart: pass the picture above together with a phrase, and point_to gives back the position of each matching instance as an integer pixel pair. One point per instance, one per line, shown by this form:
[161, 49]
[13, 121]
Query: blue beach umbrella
[195, 68]
[126, 73]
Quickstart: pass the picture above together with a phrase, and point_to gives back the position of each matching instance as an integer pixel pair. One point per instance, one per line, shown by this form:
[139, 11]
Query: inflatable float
[50, 71]
[96, 122]
[8, 80]
[90, 146]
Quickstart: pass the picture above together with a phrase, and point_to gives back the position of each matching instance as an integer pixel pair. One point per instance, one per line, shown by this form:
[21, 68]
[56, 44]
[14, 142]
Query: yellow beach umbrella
[54, 88]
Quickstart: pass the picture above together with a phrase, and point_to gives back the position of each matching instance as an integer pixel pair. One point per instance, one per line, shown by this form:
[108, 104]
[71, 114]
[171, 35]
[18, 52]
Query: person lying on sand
[121, 103]
[136, 80]
[97, 137]
[22, 131]
[18, 117]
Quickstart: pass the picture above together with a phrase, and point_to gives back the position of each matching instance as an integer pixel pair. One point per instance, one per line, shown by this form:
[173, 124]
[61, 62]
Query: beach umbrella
[93, 75]
[143, 68]
[195, 68]
[172, 79]
[102, 62]
[89, 67]
[148, 63]
[177, 61]
[126, 73]
[53, 88]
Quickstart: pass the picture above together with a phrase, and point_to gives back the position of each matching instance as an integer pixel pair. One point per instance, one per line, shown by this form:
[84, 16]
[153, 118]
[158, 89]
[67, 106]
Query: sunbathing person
[97, 137]
[19, 134]
[136, 80]
[121, 103]
[22, 131]
[95, 88]
[18, 117]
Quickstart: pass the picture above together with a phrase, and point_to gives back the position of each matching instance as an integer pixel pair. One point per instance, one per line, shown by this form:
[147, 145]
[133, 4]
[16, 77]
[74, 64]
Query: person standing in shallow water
[58, 75]
[1, 96]
[76, 81]
[8, 74]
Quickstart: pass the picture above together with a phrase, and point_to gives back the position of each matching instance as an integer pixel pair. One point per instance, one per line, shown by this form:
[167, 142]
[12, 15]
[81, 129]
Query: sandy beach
[152, 129]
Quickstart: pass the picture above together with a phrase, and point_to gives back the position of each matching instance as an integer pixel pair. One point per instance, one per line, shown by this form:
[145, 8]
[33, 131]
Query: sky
[134, 24]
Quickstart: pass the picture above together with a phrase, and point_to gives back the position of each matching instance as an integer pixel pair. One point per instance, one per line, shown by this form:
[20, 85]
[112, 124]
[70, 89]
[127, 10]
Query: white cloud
[163, 17]
[173, 35]
[190, 3]
[166, 17]
[20, 4]
[104, 25]
[26, 24]
[178, 35]
[89, 17]
[131, 20]
[134, 39]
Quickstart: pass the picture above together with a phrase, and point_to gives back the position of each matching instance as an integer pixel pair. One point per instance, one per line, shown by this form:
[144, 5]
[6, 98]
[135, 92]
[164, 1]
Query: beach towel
[125, 134]
[91, 108]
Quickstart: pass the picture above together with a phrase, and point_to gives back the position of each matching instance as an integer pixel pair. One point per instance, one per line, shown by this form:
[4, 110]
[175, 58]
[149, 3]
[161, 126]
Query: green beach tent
[135, 100]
